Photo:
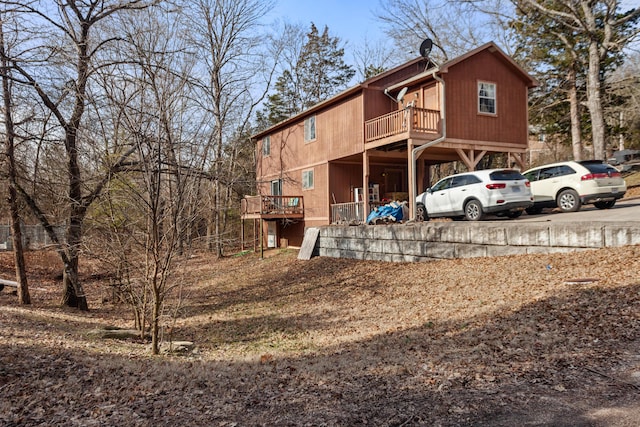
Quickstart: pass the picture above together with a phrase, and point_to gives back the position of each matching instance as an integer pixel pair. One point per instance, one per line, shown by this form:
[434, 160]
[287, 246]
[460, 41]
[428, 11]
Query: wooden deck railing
[272, 206]
[347, 213]
[406, 120]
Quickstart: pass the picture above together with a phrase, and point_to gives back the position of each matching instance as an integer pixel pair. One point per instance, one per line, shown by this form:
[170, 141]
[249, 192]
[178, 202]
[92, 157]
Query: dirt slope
[519, 340]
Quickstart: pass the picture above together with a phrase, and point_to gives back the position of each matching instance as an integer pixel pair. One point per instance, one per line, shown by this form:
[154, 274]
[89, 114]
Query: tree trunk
[574, 105]
[155, 321]
[16, 230]
[21, 272]
[73, 295]
[594, 102]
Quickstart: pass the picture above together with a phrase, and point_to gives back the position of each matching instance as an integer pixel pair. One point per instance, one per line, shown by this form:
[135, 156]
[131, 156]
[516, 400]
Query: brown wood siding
[430, 98]
[400, 74]
[463, 120]
[315, 200]
[377, 104]
[339, 133]
[341, 130]
[344, 177]
[293, 232]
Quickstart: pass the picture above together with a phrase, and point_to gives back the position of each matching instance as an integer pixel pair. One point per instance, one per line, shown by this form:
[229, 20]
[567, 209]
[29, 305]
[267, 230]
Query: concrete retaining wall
[438, 240]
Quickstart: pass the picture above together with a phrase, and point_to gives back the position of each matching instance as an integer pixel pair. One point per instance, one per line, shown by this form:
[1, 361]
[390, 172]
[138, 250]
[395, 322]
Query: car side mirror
[429, 190]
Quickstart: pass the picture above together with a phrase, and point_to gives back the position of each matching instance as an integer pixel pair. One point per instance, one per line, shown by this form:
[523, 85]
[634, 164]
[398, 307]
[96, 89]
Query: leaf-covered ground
[518, 340]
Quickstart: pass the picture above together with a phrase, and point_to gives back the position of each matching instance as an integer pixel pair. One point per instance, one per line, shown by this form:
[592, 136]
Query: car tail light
[496, 186]
[591, 176]
[528, 184]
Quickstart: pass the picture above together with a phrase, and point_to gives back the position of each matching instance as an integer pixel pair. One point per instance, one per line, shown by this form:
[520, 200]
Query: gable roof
[429, 68]
[492, 48]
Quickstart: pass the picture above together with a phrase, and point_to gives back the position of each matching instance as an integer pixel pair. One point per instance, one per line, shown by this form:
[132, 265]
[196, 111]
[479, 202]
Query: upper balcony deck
[410, 122]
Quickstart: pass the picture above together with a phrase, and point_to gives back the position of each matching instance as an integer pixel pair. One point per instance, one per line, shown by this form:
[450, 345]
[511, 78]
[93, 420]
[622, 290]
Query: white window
[310, 128]
[266, 146]
[307, 179]
[276, 187]
[486, 97]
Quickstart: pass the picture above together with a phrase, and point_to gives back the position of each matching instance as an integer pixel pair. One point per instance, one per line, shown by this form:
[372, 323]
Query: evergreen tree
[553, 55]
[600, 32]
[318, 74]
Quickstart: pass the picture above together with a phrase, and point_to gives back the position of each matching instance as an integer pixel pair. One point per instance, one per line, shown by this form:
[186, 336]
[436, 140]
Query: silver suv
[569, 185]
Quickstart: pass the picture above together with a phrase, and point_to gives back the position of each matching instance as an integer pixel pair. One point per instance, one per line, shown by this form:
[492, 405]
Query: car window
[459, 181]
[547, 173]
[442, 185]
[506, 175]
[472, 179]
[564, 170]
[532, 175]
[598, 167]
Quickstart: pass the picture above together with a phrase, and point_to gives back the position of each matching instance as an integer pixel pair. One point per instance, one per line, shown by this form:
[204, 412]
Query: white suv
[569, 185]
[472, 194]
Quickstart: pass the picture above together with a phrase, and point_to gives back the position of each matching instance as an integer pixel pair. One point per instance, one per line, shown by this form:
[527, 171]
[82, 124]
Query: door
[548, 182]
[276, 187]
[276, 190]
[437, 200]
[461, 188]
[272, 234]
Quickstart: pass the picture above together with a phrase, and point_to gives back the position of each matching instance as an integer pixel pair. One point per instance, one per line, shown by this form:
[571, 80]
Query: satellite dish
[403, 92]
[425, 48]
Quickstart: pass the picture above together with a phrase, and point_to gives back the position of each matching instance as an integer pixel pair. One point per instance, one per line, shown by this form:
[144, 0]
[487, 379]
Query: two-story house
[377, 140]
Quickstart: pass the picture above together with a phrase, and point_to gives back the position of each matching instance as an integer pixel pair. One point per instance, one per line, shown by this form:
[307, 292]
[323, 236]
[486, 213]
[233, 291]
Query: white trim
[307, 128]
[494, 98]
[313, 179]
[267, 138]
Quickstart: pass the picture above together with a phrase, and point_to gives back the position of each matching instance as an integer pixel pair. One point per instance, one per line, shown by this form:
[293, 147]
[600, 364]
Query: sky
[353, 21]
[350, 20]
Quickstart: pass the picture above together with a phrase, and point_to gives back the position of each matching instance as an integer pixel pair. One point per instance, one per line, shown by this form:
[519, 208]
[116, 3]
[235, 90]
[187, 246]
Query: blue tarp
[392, 212]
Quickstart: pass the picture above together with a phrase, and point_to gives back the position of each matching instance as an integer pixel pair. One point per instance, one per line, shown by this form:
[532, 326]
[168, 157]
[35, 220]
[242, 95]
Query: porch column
[365, 184]
[412, 178]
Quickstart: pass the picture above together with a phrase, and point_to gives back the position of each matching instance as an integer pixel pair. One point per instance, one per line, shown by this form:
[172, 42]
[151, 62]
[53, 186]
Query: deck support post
[261, 238]
[412, 178]
[365, 185]
[242, 235]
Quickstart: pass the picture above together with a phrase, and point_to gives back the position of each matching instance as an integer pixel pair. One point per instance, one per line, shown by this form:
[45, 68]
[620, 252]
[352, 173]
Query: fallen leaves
[502, 341]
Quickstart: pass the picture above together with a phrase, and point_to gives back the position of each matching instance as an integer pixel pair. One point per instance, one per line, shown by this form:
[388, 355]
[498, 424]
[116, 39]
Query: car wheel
[569, 201]
[473, 210]
[534, 210]
[421, 213]
[514, 214]
[605, 205]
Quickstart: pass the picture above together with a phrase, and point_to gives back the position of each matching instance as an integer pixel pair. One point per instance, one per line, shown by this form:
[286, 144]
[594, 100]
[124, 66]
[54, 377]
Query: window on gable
[266, 146]
[310, 128]
[486, 98]
[307, 179]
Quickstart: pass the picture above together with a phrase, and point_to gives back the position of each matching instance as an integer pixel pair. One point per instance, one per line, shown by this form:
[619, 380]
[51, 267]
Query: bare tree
[454, 26]
[372, 58]
[235, 77]
[147, 212]
[16, 230]
[58, 62]
[624, 115]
